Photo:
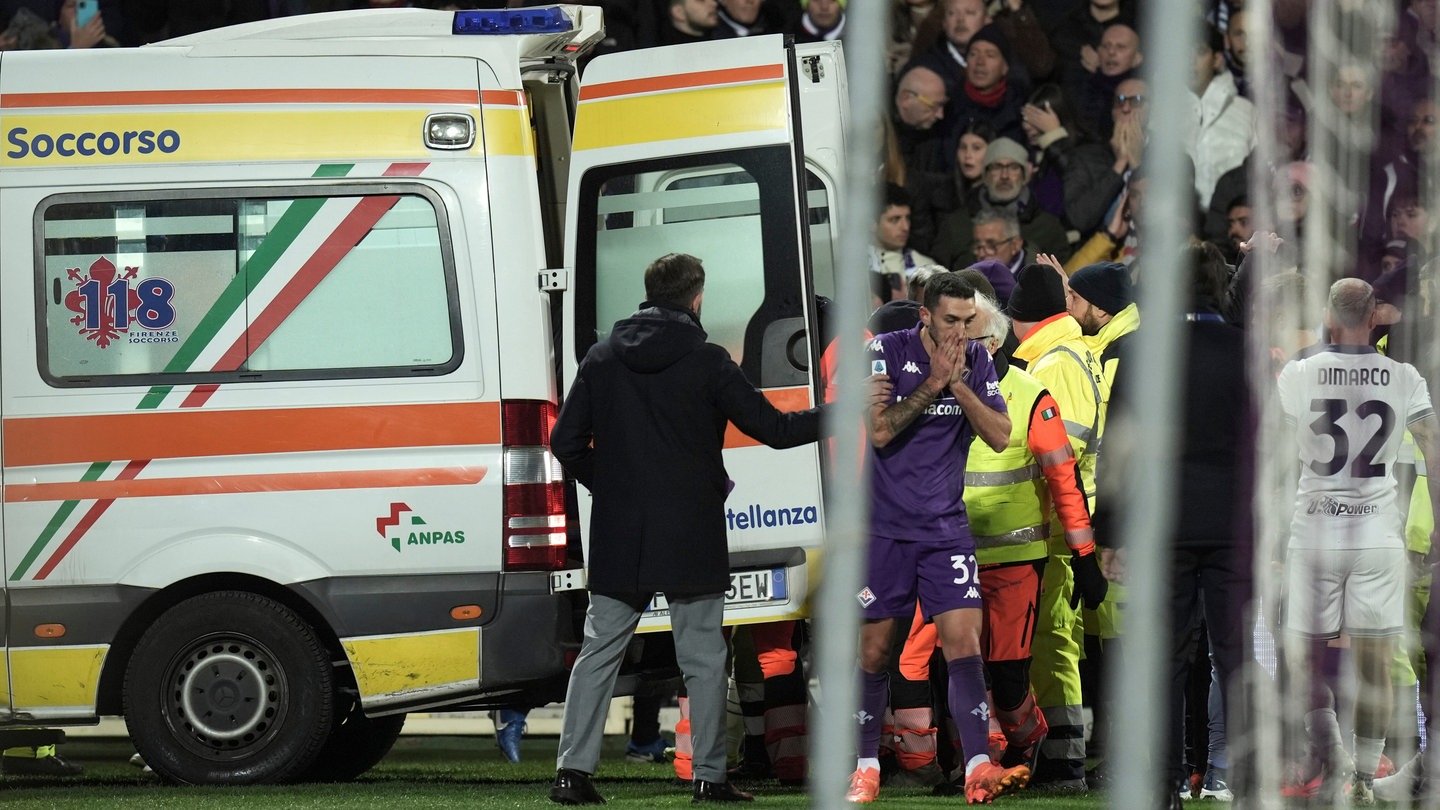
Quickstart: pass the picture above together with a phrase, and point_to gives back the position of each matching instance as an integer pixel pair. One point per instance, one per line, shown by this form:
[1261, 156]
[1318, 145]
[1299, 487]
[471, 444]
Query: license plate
[746, 588]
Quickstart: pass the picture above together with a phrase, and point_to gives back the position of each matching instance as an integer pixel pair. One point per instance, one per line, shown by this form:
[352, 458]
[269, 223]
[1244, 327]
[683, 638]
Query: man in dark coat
[643, 428]
[1210, 579]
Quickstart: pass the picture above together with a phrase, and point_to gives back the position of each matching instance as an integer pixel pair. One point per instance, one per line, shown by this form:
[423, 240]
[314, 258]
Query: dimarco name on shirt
[1330, 375]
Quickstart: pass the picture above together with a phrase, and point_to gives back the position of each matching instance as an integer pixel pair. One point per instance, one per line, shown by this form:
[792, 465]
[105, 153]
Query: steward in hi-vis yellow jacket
[1009, 496]
[1052, 346]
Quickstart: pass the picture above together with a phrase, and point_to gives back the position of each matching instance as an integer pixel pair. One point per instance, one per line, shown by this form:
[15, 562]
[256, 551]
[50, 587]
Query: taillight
[534, 529]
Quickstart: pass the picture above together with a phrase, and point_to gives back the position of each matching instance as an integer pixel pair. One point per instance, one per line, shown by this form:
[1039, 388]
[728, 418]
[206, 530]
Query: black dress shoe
[718, 792]
[574, 787]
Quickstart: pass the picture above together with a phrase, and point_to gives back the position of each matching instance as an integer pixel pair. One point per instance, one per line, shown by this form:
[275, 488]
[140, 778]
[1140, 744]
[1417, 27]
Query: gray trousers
[700, 651]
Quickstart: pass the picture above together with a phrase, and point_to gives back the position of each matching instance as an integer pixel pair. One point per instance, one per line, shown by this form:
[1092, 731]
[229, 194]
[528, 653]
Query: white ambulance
[277, 307]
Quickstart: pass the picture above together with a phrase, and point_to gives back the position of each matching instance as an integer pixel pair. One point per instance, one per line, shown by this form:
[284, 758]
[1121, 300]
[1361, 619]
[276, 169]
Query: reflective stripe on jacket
[1059, 358]
[1005, 494]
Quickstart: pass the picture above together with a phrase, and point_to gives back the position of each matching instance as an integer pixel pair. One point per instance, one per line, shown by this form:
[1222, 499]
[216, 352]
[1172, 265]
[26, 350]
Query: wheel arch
[110, 698]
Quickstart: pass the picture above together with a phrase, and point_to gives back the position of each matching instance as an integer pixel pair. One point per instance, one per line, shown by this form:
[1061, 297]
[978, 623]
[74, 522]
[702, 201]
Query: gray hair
[997, 325]
[921, 276]
[1009, 223]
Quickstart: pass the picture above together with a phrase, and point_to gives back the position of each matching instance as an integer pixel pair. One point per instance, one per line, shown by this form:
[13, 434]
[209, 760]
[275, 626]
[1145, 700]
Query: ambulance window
[712, 212]
[150, 289]
[383, 305]
[735, 211]
[822, 234]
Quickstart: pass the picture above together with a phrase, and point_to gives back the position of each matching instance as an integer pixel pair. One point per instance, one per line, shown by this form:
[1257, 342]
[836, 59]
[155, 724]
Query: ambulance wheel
[229, 688]
[356, 745]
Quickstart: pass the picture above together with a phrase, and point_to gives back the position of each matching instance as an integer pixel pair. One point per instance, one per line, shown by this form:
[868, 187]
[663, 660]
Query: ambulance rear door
[696, 149]
[6, 710]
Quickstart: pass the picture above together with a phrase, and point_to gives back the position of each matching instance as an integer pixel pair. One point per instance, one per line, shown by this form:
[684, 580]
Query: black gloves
[1090, 584]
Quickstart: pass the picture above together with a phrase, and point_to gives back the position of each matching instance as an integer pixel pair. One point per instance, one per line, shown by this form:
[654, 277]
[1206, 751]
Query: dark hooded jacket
[643, 428]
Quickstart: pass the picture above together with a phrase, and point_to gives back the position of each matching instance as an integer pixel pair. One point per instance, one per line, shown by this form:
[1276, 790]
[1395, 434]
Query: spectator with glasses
[1129, 114]
[1006, 192]
[997, 236]
[917, 118]
[1115, 240]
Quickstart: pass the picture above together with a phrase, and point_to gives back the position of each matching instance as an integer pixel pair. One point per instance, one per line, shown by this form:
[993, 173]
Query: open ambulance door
[6, 704]
[696, 149]
[7, 710]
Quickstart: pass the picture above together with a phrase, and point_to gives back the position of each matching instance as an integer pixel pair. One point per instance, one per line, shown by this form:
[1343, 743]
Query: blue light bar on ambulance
[513, 21]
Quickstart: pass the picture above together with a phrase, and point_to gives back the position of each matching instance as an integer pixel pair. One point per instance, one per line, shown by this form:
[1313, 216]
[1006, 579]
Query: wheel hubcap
[227, 695]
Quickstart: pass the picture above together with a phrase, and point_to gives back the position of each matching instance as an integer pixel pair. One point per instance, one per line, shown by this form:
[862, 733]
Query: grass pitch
[427, 772]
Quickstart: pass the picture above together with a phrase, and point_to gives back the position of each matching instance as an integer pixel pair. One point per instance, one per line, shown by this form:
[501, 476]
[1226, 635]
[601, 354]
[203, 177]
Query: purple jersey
[917, 480]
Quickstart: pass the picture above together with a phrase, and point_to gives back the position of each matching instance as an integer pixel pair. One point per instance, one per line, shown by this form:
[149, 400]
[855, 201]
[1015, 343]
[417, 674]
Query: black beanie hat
[1106, 285]
[992, 34]
[1038, 294]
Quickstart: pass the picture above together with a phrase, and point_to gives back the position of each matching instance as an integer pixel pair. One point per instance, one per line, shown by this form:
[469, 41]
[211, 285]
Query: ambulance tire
[357, 744]
[229, 688]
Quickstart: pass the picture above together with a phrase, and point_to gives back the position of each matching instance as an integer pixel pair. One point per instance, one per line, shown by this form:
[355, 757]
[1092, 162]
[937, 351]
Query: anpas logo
[107, 305]
[403, 532]
[1326, 505]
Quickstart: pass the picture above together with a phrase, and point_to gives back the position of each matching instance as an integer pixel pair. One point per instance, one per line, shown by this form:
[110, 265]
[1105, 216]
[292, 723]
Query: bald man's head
[920, 99]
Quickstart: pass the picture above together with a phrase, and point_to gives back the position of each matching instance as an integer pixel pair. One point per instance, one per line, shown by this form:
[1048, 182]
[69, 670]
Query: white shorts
[1360, 591]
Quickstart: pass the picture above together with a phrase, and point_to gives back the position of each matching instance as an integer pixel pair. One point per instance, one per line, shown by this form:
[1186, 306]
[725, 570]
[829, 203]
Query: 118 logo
[108, 301]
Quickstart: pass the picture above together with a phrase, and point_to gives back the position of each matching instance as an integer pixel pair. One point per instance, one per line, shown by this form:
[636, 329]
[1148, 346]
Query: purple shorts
[944, 576]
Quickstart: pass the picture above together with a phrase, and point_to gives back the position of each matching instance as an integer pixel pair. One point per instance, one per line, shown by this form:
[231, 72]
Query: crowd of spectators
[1059, 79]
[1058, 85]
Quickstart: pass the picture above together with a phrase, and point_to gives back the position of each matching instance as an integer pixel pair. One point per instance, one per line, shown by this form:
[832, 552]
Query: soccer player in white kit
[1349, 407]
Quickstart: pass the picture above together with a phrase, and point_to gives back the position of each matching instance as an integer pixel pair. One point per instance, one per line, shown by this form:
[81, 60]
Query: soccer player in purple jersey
[945, 393]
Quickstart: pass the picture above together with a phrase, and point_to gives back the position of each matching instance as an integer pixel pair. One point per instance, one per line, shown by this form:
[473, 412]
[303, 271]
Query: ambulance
[286, 312]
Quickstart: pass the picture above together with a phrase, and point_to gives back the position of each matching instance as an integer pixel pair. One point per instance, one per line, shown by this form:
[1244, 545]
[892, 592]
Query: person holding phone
[82, 25]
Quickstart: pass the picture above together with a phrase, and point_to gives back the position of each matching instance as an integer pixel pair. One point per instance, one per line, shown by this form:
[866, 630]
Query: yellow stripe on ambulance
[405, 667]
[58, 680]
[179, 137]
[650, 118]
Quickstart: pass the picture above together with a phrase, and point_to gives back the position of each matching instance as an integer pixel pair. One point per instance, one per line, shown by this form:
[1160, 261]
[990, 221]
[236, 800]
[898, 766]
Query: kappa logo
[971, 593]
[910, 367]
[391, 527]
[866, 597]
[876, 345]
[982, 711]
[106, 304]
